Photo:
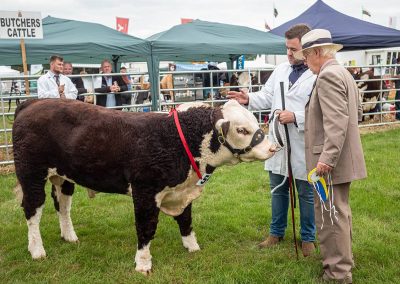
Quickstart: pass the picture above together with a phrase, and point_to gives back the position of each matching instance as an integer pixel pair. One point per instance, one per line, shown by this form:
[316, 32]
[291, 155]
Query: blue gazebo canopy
[353, 33]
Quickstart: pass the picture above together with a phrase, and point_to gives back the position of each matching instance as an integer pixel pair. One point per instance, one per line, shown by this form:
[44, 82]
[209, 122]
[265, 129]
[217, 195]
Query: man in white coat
[54, 84]
[298, 85]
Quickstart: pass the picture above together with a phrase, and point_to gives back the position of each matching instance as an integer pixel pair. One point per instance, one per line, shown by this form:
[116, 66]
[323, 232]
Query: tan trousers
[335, 240]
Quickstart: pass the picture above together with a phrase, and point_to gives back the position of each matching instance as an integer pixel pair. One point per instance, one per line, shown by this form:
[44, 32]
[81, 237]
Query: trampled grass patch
[229, 219]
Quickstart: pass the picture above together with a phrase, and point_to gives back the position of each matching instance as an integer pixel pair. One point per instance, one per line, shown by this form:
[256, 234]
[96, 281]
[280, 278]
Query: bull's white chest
[173, 200]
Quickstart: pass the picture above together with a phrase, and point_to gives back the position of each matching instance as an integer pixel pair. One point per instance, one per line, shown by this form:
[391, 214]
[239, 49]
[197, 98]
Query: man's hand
[323, 169]
[61, 91]
[114, 87]
[88, 99]
[242, 97]
[285, 116]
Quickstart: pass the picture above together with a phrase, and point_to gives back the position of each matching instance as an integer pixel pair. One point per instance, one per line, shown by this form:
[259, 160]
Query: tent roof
[351, 32]
[76, 41]
[201, 40]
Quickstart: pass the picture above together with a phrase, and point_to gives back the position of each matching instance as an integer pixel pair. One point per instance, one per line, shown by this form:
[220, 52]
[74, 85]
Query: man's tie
[297, 71]
[57, 77]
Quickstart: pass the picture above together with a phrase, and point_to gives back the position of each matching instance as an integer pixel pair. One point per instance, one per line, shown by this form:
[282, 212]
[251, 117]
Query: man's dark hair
[67, 63]
[297, 31]
[56, 57]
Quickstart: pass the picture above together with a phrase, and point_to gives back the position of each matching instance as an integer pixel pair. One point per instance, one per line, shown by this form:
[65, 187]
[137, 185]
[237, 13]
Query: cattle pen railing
[208, 86]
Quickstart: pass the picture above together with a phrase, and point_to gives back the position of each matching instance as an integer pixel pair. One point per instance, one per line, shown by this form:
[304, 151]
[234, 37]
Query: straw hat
[316, 38]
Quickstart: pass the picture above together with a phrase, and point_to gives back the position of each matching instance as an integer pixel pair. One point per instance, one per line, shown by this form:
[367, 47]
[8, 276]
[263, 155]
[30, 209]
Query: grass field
[230, 218]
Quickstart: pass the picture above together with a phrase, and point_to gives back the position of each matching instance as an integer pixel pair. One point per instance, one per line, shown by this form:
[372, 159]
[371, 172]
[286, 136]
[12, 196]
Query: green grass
[230, 218]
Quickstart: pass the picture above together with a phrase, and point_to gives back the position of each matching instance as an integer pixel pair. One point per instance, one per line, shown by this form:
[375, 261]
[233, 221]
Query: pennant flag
[122, 25]
[366, 12]
[275, 12]
[186, 20]
[267, 27]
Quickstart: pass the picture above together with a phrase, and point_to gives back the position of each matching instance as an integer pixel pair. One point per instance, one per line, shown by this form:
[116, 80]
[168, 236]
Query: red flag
[122, 25]
[186, 20]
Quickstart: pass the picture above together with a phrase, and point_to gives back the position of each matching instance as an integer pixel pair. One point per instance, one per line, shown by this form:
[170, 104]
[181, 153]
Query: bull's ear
[223, 125]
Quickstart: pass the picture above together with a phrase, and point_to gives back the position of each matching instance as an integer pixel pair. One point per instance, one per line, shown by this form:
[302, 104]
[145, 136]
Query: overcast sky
[148, 17]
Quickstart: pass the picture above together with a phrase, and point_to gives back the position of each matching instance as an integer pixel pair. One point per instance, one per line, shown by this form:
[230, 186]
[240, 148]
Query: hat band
[318, 41]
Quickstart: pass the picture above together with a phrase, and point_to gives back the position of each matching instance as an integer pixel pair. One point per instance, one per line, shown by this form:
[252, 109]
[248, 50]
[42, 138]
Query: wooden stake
[23, 52]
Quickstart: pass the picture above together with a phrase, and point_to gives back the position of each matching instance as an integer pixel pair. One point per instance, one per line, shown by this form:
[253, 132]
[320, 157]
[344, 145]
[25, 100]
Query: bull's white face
[242, 126]
[362, 85]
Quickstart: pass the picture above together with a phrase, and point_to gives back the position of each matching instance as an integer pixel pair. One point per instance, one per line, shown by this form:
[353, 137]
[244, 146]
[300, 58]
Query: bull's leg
[185, 226]
[146, 219]
[62, 196]
[33, 202]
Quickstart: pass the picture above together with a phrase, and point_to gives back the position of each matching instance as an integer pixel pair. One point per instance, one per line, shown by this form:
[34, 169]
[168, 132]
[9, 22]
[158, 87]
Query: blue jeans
[280, 205]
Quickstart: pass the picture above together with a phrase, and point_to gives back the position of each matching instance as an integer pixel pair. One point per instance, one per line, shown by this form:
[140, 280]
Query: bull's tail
[23, 106]
[18, 192]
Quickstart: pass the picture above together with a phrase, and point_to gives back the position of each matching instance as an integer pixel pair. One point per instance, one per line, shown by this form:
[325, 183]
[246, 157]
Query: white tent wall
[5, 85]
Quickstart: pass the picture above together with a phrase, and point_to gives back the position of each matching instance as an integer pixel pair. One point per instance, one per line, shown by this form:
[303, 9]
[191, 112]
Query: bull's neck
[198, 128]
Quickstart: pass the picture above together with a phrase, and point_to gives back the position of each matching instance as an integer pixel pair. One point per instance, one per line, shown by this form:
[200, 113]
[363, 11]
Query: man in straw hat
[333, 147]
[298, 82]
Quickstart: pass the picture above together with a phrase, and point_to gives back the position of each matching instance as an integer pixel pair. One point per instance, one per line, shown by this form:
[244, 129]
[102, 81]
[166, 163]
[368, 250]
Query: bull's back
[91, 145]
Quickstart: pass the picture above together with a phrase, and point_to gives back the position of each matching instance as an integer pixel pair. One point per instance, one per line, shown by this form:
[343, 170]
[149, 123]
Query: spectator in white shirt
[54, 84]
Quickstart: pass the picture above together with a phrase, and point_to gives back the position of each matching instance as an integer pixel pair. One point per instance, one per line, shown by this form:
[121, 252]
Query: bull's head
[241, 136]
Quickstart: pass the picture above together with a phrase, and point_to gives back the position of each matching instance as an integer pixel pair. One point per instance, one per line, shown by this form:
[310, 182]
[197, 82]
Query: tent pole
[23, 52]
[153, 70]
[115, 59]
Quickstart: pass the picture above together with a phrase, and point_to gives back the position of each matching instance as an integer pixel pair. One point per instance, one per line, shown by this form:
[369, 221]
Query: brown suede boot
[270, 242]
[307, 248]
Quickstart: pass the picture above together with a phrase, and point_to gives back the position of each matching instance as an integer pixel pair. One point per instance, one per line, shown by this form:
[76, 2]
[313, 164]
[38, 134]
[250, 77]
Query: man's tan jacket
[331, 125]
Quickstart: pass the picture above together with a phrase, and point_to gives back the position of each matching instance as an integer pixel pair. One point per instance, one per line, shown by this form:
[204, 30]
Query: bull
[69, 142]
[371, 90]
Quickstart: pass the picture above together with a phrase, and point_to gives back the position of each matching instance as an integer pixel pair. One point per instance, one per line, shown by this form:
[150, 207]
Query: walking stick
[291, 180]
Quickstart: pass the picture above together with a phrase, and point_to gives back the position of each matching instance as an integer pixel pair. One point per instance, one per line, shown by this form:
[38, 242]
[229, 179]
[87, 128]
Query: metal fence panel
[208, 86]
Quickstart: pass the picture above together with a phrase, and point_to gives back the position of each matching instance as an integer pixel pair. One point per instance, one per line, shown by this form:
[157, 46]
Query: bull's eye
[242, 131]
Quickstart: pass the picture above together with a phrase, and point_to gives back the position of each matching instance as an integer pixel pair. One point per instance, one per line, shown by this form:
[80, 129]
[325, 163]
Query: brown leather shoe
[308, 248]
[347, 280]
[270, 242]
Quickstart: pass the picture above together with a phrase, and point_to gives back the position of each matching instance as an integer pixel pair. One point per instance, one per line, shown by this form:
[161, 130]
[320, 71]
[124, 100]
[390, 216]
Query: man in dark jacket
[77, 81]
[111, 86]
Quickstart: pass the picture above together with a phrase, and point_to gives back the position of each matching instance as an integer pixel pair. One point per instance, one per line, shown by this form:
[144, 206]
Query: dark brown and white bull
[370, 87]
[68, 142]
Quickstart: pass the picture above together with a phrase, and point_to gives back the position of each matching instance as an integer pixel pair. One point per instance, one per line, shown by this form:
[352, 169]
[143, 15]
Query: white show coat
[47, 87]
[295, 100]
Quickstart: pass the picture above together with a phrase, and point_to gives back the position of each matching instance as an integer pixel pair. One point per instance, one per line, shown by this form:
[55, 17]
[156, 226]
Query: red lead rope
[184, 143]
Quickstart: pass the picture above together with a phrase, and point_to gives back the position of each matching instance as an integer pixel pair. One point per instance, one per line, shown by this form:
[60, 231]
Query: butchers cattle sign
[19, 25]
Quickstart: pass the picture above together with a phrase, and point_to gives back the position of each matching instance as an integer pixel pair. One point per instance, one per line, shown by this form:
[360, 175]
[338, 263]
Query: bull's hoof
[193, 249]
[70, 237]
[144, 268]
[73, 241]
[37, 253]
[144, 272]
[143, 260]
